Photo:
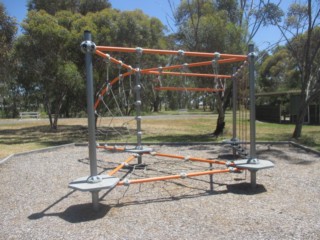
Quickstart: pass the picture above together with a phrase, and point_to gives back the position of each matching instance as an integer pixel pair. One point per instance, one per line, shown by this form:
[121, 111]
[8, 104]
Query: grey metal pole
[138, 108]
[234, 109]
[138, 113]
[89, 47]
[251, 58]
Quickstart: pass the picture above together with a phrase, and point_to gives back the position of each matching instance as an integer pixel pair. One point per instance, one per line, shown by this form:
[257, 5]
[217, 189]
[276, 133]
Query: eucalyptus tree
[45, 62]
[8, 89]
[209, 26]
[222, 26]
[301, 30]
[75, 6]
[278, 72]
[52, 65]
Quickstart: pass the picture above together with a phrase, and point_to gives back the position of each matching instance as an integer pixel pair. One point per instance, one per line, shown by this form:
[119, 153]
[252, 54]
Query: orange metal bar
[121, 165]
[207, 160]
[190, 158]
[187, 74]
[122, 149]
[154, 179]
[190, 65]
[101, 54]
[168, 52]
[182, 89]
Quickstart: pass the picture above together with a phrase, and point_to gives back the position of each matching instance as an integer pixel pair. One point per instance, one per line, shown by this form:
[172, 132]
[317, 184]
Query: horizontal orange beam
[190, 158]
[120, 149]
[163, 178]
[183, 89]
[169, 52]
[187, 74]
[169, 155]
[190, 65]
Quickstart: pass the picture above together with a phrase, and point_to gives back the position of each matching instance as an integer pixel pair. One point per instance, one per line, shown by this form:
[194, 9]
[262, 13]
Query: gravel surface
[36, 203]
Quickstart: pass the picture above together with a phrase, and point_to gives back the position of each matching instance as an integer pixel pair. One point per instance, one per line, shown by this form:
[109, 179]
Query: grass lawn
[24, 135]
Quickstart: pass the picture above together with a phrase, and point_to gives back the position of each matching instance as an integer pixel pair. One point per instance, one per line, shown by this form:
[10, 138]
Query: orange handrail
[183, 89]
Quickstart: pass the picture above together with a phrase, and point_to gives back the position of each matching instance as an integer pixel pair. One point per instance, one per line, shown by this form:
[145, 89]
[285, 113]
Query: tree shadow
[44, 135]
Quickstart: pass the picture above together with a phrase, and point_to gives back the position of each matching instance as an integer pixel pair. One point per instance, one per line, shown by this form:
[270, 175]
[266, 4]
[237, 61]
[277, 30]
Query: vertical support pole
[211, 179]
[138, 103]
[89, 47]
[253, 157]
[234, 109]
[138, 113]
[251, 58]
[253, 178]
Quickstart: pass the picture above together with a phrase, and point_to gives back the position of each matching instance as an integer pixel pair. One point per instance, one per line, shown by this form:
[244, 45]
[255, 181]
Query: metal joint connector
[94, 179]
[180, 53]
[126, 182]
[88, 46]
[139, 51]
[183, 175]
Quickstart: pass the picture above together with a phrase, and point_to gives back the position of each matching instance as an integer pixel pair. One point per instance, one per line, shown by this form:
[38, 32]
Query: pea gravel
[36, 203]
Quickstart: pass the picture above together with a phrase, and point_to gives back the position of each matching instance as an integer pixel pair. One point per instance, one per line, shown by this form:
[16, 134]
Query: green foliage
[75, 6]
[8, 29]
[278, 72]
[50, 64]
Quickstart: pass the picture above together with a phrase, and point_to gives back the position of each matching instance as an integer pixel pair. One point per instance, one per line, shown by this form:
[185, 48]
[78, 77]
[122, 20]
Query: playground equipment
[94, 182]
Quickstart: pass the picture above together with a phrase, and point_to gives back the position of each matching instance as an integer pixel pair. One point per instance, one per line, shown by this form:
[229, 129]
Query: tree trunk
[57, 113]
[300, 117]
[48, 107]
[156, 103]
[221, 116]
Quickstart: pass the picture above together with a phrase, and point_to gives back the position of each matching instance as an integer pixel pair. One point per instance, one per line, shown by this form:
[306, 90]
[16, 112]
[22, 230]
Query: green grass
[18, 136]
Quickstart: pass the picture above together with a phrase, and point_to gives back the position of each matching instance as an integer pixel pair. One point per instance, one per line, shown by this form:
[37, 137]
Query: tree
[51, 65]
[205, 26]
[301, 31]
[223, 26]
[45, 63]
[278, 72]
[75, 6]
[8, 29]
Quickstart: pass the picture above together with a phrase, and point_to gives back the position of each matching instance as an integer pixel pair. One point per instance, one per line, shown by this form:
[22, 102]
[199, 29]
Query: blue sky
[155, 8]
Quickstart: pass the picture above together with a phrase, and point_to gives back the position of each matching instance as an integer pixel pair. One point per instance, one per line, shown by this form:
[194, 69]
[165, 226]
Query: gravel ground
[35, 202]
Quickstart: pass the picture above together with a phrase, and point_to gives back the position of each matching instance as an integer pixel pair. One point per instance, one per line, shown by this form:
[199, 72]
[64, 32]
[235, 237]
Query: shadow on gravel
[84, 213]
[76, 214]
[245, 189]
[73, 214]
